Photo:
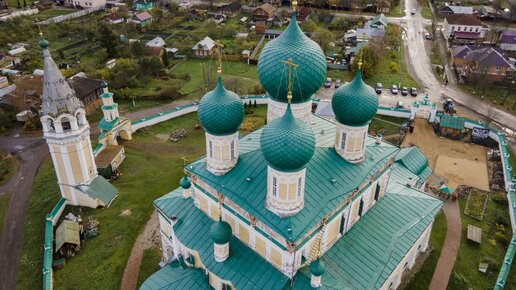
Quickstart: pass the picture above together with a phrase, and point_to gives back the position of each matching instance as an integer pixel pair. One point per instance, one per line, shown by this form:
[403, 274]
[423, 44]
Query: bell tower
[67, 133]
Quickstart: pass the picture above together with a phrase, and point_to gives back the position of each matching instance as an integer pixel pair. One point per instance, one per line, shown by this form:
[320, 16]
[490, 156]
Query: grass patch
[421, 280]
[255, 118]
[8, 166]
[492, 250]
[149, 265]
[476, 204]
[493, 95]
[512, 160]
[397, 11]
[4, 202]
[52, 13]
[44, 195]
[390, 125]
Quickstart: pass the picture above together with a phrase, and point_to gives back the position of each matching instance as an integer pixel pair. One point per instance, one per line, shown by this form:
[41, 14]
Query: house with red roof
[141, 19]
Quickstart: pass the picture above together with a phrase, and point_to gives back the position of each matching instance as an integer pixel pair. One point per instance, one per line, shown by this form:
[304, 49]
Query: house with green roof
[301, 203]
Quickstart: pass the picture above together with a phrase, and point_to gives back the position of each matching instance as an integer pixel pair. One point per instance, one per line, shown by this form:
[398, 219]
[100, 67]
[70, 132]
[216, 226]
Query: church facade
[301, 203]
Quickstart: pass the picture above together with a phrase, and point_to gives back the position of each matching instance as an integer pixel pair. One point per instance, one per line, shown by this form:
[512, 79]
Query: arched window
[361, 208]
[377, 192]
[65, 124]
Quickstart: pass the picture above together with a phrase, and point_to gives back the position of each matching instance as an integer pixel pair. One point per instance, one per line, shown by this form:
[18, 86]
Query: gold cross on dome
[290, 64]
[294, 5]
[219, 46]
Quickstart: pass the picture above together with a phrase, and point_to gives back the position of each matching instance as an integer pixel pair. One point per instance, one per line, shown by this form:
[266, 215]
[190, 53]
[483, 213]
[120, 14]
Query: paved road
[30, 152]
[420, 64]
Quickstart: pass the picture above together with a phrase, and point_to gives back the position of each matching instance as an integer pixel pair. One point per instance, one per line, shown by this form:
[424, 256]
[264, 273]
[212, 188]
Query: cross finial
[219, 46]
[290, 64]
[184, 160]
[221, 200]
[360, 63]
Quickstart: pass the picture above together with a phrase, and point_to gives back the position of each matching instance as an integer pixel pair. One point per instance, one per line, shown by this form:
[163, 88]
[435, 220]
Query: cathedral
[301, 203]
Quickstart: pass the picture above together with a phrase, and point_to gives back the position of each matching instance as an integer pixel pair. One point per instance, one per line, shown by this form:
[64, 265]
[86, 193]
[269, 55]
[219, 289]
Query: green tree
[18, 4]
[164, 59]
[211, 28]
[138, 49]
[150, 66]
[125, 74]
[369, 61]
[323, 37]
[24, 3]
[108, 40]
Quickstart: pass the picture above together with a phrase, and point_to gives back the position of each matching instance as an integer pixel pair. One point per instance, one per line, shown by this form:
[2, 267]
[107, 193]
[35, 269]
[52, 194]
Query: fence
[50, 222]
[73, 15]
[19, 13]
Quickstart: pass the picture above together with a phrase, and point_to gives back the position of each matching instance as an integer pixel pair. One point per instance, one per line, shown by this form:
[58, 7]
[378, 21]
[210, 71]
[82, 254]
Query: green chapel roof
[287, 143]
[221, 111]
[107, 126]
[185, 182]
[329, 179]
[452, 122]
[355, 103]
[307, 77]
[317, 267]
[99, 188]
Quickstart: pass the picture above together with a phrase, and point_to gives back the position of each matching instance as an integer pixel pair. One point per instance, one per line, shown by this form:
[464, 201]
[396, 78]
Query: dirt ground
[456, 162]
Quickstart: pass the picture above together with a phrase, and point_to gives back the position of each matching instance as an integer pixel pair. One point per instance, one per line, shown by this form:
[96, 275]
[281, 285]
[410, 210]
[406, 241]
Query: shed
[109, 159]
[451, 126]
[474, 234]
[68, 232]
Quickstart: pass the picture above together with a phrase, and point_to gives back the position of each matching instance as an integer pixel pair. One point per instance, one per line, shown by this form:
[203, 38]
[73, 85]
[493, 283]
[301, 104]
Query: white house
[204, 48]
[156, 42]
[86, 3]
[463, 26]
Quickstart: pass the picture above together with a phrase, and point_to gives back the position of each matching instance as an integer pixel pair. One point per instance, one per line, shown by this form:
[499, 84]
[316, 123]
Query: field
[422, 278]
[390, 125]
[150, 170]
[495, 234]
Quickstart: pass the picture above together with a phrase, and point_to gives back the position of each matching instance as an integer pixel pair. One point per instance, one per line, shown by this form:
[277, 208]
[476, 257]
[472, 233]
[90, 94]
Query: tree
[211, 28]
[108, 40]
[18, 4]
[24, 3]
[125, 73]
[340, 23]
[164, 59]
[137, 49]
[310, 25]
[150, 66]
[369, 61]
[323, 37]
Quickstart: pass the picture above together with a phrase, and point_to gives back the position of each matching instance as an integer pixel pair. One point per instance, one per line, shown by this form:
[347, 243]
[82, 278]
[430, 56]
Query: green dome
[43, 43]
[317, 267]
[287, 143]
[221, 111]
[307, 78]
[185, 182]
[355, 103]
[220, 232]
[104, 84]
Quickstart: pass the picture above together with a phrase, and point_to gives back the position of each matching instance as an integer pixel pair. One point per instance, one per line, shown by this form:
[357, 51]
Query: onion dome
[306, 53]
[43, 43]
[221, 111]
[355, 103]
[104, 84]
[220, 232]
[317, 267]
[287, 143]
[185, 182]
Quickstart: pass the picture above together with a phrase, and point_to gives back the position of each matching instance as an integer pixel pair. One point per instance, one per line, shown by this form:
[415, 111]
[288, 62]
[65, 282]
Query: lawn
[149, 265]
[390, 125]
[426, 11]
[492, 250]
[494, 95]
[151, 170]
[421, 280]
[4, 201]
[52, 13]
[397, 11]
[476, 205]
[8, 166]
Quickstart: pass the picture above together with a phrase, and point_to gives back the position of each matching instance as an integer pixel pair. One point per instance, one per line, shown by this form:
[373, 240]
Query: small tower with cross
[287, 144]
[221, 112]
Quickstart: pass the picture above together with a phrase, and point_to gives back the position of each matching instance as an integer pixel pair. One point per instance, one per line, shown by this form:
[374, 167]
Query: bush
[500, 199]
[393, 55]
[501, 237]
[171, 93]
[394, 67]
[493, 264]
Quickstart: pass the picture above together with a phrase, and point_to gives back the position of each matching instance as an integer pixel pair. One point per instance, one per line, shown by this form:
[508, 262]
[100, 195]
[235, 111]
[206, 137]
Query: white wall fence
[18, 13]
[73, 15]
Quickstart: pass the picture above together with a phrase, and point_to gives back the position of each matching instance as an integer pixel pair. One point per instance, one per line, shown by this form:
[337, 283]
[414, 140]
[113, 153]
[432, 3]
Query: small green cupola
[317, 267]
[287, 143]
[308, 77]
[355, 103]
[43, 43]
[185, 182]
[220, 232]
[104, 84]
[221, 111]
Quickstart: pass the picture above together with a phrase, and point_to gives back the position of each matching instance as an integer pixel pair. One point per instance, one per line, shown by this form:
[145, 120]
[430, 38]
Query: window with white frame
[232, 149]
[299, 185]
[343, 141]
[274, 186]
[210, 145]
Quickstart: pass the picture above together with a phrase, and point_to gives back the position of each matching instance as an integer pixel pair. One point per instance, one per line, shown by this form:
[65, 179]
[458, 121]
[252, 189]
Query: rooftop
[463, 19]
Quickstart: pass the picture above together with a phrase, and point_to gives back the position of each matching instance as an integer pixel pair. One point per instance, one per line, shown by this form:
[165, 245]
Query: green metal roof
[317, 267]
[452, 122]
[329, 179]
[109, 107]
[366, 256]
[240, 267]
[185, 182]
[107, 126]
[355, 103]
[287, 143]
[99, 188]
[173, 276]
[412, 159]
[221, 111]
[307, 77]
[107, 95]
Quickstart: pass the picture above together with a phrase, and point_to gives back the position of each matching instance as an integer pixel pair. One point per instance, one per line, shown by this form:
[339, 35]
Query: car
[404, 91]
[413, 12]
[337, 84]
[327, 83]
[413, 92]
[428, 36]
[394, 89]
[378, 88]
